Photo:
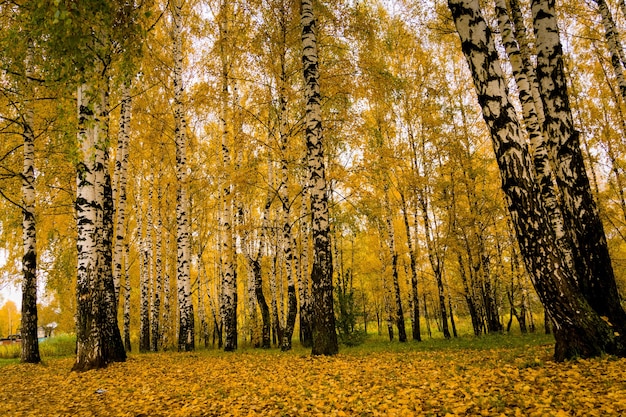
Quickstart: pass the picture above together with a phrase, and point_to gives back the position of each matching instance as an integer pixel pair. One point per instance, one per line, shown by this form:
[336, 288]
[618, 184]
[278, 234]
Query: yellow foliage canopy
[451, 382]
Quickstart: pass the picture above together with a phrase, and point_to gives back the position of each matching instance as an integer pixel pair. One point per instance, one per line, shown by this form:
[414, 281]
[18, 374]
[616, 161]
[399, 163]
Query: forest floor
[489, 376]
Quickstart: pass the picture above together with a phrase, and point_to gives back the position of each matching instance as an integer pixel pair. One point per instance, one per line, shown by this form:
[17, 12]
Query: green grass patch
[63, 345]
[58, 346]
[511, 342]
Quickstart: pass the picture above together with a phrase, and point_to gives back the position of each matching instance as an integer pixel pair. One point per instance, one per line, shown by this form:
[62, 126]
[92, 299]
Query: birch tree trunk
[258, 273]
[113, 343]
[229, 278]
[167, 327]
[30, 343]
[306, 331]
[204, 327]
[254, 264]
[186, 339]
[387, 308]
[581, 330]
[435, 262]
[287, 239]
[592, 260]
[615, 46]
[120, 179]
[523, 74]
[523, 42]
[324, 333]
[96, 341]
[399, 313]
[89, 351]
[144, 286]
[415, 302]
[155, 327]
[127, 344]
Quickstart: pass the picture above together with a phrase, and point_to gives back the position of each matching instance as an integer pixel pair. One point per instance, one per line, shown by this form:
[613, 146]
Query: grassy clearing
[59, 346]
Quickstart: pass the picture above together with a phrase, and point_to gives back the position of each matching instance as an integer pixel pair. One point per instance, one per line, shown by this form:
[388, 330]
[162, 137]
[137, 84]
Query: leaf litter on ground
[405, 382]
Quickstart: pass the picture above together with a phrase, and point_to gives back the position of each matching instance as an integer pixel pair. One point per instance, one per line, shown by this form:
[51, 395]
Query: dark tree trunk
[427, 318]
[415, 301]
[452, 322]
[265, 311]
[113, 342]
[469, 299]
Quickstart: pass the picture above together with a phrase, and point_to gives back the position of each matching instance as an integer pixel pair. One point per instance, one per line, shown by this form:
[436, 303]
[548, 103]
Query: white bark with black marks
[30, 343]
[614, 44]
[98, 340]
[229, 270]
[186, 338]
[581, 332]
[120, 179]
[594, 270]
[324, 333]
[541, 161]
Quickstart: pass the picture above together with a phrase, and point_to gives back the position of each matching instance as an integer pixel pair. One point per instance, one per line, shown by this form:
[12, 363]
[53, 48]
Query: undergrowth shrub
[354, 338]
[10, 351]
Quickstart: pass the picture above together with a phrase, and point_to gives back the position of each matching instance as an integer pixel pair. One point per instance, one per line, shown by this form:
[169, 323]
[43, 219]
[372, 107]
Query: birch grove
[326, 163]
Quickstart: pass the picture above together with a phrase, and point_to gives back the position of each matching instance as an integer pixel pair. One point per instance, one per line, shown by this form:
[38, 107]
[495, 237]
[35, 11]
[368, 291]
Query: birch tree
[593, 264]
[94, 286]
[618, 57]
[186, 339]
[324, 334]
[120, 180]
[580, 330]
[30, 344]
[229, 268]
[283, 188]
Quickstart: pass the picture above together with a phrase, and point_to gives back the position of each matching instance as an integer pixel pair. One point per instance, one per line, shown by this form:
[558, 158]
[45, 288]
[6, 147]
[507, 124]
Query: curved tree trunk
[324, 332]
[592, 260]
[435, 262]
[580, 330]
[523, 73]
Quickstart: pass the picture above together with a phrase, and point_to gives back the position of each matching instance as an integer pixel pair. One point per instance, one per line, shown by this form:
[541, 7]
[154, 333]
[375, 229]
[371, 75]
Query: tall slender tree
[229, 267]
[30, 344]
[324, 333]
[120, 180]
[186, 338]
